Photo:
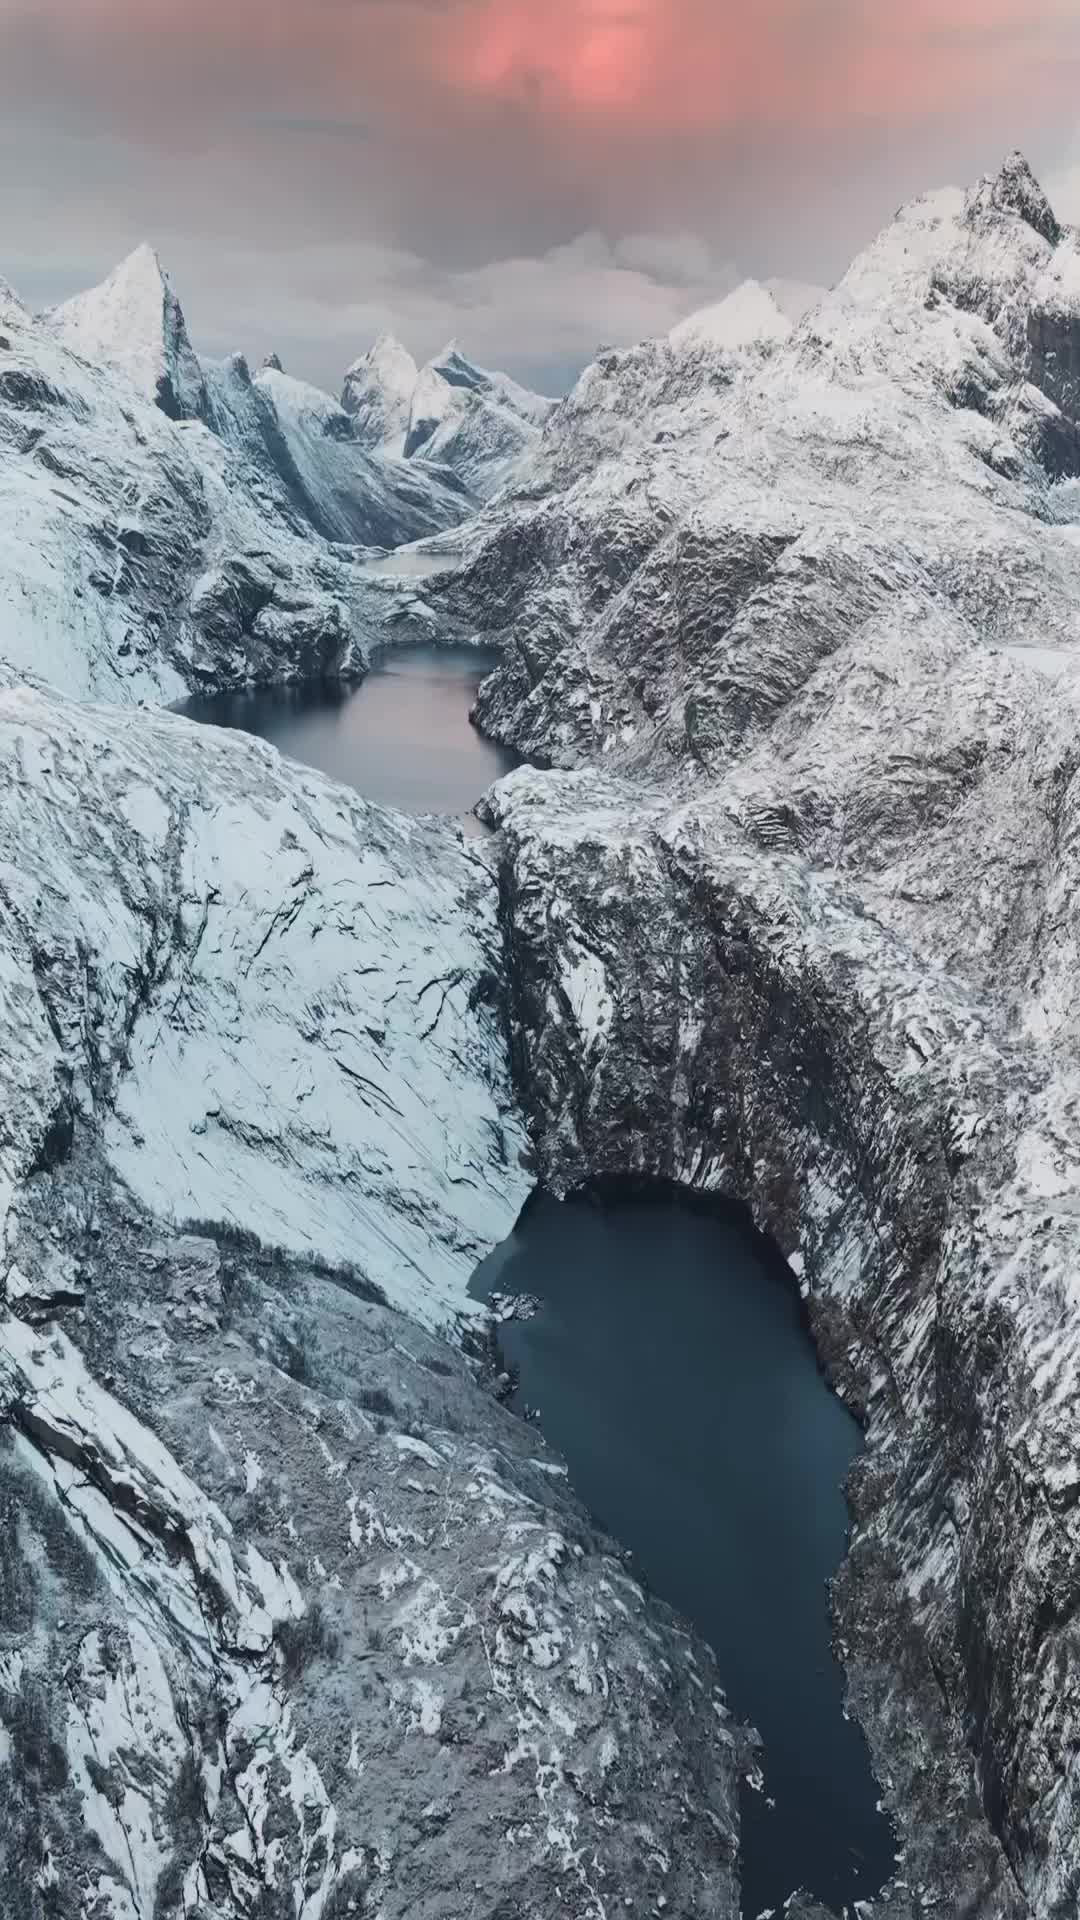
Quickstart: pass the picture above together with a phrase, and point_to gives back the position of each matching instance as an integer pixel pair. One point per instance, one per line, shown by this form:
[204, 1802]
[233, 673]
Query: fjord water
[402, 737]
[671, 1366]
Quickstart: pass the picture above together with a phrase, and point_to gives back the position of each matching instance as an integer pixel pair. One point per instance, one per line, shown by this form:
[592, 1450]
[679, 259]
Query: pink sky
[449, 136]
[665, 63]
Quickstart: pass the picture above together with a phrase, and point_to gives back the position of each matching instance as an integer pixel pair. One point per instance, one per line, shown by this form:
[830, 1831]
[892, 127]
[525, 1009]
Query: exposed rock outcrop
[134, 322]
[378, 393]
[798, 619]
[809, 942]
[296, 1619]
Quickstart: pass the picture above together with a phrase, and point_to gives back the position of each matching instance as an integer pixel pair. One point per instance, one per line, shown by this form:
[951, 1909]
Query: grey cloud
[292, 220]
[318, 126]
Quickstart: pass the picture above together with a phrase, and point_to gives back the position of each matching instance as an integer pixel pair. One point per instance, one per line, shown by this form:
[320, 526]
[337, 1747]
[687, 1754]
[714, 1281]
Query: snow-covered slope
[748, 316]
[302, 442]
[134, 322]
[658, 392]
[295, 1617]
[798, 614]
[142, 556]
[817, 661]
[378, 393]
[481, 425]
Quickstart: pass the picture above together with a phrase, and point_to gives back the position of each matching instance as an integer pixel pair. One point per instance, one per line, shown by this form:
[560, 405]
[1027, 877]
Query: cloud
[446, 154]
[679, 258]
[642, 65]
[540, 316]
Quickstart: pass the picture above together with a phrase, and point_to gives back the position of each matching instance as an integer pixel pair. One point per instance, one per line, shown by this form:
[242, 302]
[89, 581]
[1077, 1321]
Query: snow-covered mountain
[659, 392]
[299, 441]
[452, 414]
[306, 445]
[142, 555]
[813, 652]
[378, 392]
[135, 322]
[909, 434]
[750, 316]
[296, 1615]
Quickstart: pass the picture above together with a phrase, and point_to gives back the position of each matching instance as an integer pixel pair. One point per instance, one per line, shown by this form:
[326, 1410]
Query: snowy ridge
[133, 321]
[11, 307]
[794, 615]
[481, 425]
[378, 391]
[834, 626]
[450, 415]
[284, 1581]
[142, 557]
[748, 315]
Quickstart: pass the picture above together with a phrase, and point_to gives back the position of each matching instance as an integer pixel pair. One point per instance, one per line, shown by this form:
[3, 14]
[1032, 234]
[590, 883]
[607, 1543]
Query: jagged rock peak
[748, 316]
[1014, 189]
[272, 363]
[378, 391]
[13, 312]
[389, 355]
[134, 321]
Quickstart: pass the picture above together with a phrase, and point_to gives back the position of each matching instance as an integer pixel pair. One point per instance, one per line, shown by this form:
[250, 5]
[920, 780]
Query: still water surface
[402, 737]
[671, 1366]
[669, 1361]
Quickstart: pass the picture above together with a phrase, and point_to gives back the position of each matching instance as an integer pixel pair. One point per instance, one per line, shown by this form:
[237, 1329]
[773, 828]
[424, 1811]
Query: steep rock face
[811, 942]
[296, 1620]
[134, 322]
[479, 424]
[895, 449]
[378, 391]
[310, 449]
[142, 557]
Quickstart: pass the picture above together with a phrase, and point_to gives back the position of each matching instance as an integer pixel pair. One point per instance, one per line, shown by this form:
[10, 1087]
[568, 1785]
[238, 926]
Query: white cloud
[679, 258]
[541, 317]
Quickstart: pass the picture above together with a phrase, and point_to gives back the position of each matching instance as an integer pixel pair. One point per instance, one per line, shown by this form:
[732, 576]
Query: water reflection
[403, 737]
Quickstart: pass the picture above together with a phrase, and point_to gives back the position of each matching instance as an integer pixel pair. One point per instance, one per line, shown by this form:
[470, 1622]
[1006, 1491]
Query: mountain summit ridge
[134, 321]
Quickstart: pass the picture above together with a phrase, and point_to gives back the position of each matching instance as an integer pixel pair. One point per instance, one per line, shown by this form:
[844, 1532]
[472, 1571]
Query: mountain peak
[378, 392]
[134, 322]
[749, 316]
[11, 306]
[387, 346]
[1014, 189]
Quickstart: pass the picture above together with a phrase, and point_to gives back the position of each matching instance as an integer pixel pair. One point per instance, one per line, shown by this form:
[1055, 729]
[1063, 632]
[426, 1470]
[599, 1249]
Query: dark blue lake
[402, 736]
[671, 1365]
